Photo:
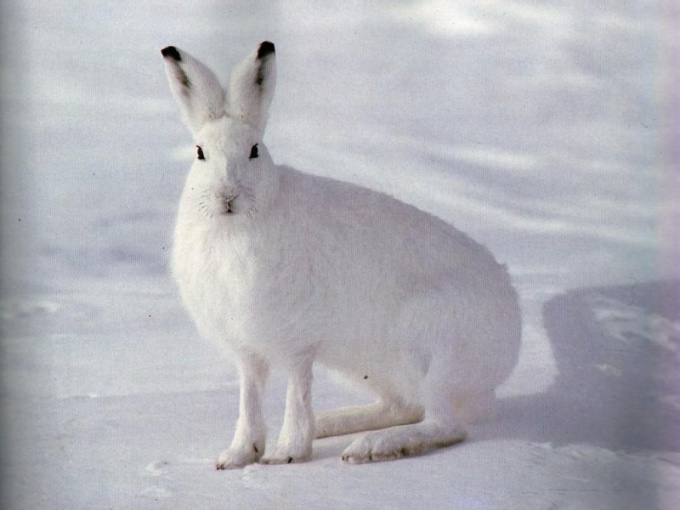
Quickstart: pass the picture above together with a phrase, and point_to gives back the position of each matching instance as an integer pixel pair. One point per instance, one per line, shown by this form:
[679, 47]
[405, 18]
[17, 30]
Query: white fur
[305, 269]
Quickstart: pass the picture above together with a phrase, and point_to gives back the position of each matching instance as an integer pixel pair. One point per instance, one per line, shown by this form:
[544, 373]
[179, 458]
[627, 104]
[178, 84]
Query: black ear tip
[171, 52]
[265, 49]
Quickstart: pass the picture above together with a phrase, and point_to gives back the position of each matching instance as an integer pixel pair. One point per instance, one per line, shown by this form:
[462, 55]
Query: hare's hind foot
[440, 427]
[402, 441]
[380, 415]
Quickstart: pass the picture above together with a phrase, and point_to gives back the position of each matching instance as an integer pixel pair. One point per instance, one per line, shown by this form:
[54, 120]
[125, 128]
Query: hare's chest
[216, 276]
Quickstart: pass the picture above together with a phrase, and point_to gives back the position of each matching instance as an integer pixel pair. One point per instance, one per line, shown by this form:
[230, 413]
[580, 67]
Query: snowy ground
[545, 131]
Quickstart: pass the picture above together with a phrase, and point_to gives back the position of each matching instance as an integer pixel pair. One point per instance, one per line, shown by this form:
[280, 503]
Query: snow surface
[544, 130]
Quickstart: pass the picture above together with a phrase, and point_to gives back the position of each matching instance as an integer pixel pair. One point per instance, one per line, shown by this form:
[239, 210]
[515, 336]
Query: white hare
[287, 269]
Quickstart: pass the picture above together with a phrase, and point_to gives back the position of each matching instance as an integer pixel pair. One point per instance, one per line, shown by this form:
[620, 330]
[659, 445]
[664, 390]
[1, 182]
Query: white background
[545, 130]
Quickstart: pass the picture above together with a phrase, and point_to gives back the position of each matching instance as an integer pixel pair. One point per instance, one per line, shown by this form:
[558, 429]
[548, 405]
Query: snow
[546, 132]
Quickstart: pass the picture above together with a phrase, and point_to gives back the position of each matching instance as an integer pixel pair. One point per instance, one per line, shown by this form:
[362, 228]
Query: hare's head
[232, 164]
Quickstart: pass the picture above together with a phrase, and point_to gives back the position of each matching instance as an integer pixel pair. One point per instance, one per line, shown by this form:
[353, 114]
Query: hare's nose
[227, 200]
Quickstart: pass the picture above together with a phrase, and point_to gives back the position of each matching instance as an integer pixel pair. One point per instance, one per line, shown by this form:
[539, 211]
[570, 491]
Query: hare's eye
[253, 152]
[199, 152]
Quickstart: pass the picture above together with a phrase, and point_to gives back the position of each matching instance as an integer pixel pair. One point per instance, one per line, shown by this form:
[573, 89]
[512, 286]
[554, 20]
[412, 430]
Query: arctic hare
[286, 269]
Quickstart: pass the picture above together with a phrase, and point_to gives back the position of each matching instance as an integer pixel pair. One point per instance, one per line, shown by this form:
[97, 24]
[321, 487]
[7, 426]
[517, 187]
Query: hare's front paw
[287, 454]
[234, 458]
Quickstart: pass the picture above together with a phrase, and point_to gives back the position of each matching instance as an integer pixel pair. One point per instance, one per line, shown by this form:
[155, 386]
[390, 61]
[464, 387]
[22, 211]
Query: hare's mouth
[229, 206]
[227, 202]
[237, 205]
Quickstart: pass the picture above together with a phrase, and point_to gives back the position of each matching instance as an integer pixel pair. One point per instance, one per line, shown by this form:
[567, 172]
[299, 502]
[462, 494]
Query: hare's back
[362, 224]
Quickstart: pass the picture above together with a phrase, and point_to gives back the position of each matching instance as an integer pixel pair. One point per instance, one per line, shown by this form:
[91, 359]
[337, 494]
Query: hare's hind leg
[380, 415]
[439, 427]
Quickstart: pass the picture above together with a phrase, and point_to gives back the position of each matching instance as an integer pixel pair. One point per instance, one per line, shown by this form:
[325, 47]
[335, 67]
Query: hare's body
[286, 269]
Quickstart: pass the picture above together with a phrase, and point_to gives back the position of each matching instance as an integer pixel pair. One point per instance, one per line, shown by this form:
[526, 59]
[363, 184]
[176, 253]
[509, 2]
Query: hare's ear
[195, 87]
[251, 87]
